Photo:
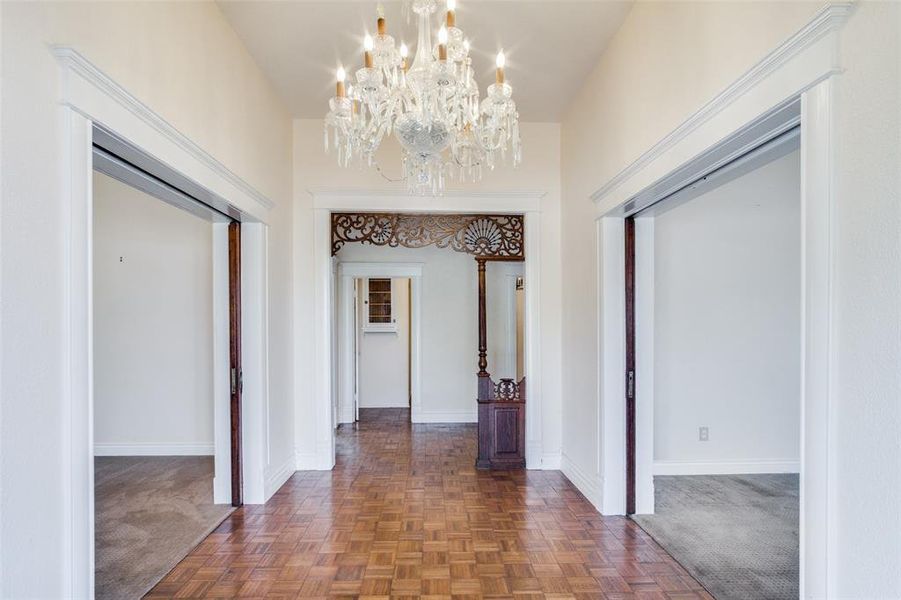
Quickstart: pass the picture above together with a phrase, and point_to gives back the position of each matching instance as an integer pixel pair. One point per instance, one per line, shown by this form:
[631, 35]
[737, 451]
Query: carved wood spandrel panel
[487, 236]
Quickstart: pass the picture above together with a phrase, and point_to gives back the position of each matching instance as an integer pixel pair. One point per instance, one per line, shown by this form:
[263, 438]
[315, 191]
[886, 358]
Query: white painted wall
[500, 314]
[385, 356]
[664, 50]
[449, 324]
[727, 323]
[153, 327]
[185, 62]
[667, 60]
[867, 295]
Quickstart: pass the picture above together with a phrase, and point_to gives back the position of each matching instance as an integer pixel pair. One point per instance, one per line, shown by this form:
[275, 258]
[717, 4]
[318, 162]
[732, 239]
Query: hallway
[405, 513]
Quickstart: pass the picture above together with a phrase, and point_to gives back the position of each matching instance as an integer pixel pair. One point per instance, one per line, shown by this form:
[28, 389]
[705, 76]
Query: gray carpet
[736, 534]
[149, 512]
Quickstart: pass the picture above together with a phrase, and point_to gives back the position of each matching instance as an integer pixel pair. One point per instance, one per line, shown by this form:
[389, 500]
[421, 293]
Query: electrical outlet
[703, 434]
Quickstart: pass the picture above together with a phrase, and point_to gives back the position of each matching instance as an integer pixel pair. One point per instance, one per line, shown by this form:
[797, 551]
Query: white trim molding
[551, 461]
[532, 347]
[159, 449]
[276, 477]
[326, 201]
[347, 272]
[447, 416]
[800, 69]
[222, 443]
[612, 355]
[313, 461]
[803, 60]
[82, 76]
[590, 487]
[350, 200]
[306, 461]
[725, 467]
[379, 269]
[89, 97]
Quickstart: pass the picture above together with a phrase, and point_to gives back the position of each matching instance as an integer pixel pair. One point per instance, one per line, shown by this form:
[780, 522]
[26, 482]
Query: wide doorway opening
[166, 328]
[713, 373]
[431, 326]
[382, 336]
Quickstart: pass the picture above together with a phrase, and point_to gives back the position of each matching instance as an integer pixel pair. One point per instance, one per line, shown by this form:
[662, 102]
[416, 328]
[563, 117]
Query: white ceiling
[551, 45]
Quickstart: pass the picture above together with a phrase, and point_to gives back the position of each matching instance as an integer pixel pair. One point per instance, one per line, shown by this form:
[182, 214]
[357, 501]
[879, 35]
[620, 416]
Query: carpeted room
[724, 342]
[153, 378]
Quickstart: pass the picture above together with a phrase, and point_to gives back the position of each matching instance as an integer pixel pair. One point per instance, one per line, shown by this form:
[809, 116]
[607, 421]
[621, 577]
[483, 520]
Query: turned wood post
[484, 389]
[483, 322]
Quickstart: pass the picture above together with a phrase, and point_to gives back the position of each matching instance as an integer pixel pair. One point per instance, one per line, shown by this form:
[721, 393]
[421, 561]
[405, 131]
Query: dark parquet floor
[405, 514]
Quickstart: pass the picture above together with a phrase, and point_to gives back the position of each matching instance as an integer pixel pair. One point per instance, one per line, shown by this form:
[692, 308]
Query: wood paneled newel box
[502, 409]
[502, 419]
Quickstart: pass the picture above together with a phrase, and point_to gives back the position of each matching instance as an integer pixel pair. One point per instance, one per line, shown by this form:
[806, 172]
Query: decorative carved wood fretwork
[485, 236]
[507, 390]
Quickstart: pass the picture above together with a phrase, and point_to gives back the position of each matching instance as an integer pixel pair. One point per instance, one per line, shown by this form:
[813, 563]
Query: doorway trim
[89, 97]
[326, 201]
[798, 71]
[347, 273]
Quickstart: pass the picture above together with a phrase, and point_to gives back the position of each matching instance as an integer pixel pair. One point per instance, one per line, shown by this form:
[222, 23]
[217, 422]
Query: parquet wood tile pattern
[405, 514]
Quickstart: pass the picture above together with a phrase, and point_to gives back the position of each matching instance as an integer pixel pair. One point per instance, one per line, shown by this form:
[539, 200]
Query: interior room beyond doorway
[153, 387]
[383, 338]
[718, 346]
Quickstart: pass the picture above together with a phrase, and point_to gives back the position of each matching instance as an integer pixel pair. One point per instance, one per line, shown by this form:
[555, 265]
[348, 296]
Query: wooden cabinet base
[502, 419]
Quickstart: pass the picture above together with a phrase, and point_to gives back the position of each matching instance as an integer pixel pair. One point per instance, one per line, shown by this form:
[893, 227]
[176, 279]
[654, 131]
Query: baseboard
[725, 467]
[591, 487]
[153, 449]
[551, 461]
[311, 461]
[277, 477]
[446, 416]
[346, 415]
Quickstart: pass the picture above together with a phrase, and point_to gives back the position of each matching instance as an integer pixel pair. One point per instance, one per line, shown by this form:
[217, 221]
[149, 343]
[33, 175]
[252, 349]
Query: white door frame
[327, 201]
[89, 96]
[356, 351]
[347, 367]
[510, 323]
[800, 69]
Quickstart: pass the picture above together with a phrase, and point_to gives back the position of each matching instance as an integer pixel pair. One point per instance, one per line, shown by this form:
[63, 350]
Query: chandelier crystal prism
[432, 107]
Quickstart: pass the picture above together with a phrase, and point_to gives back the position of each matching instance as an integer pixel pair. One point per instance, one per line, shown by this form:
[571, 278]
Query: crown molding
[327, 192]
[399, 200]
[75, 62]
[828, 19]
[380, 269]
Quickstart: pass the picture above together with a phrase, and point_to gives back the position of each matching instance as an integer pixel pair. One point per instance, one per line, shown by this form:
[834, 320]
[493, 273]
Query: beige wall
[727, 325]
[540, 171]
[663, 64]
[153, 325]
[384, 356]
[667, 60]
[185, 62]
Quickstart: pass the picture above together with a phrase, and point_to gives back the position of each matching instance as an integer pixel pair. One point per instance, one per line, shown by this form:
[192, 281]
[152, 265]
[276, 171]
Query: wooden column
[501, 406]
[485, 387]
[483, 321]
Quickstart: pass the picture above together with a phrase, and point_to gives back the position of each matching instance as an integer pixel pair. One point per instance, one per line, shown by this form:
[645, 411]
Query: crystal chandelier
[432, 107]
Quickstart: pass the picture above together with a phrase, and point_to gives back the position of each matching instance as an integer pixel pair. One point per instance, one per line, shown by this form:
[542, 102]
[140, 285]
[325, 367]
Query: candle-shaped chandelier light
[432, 106]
